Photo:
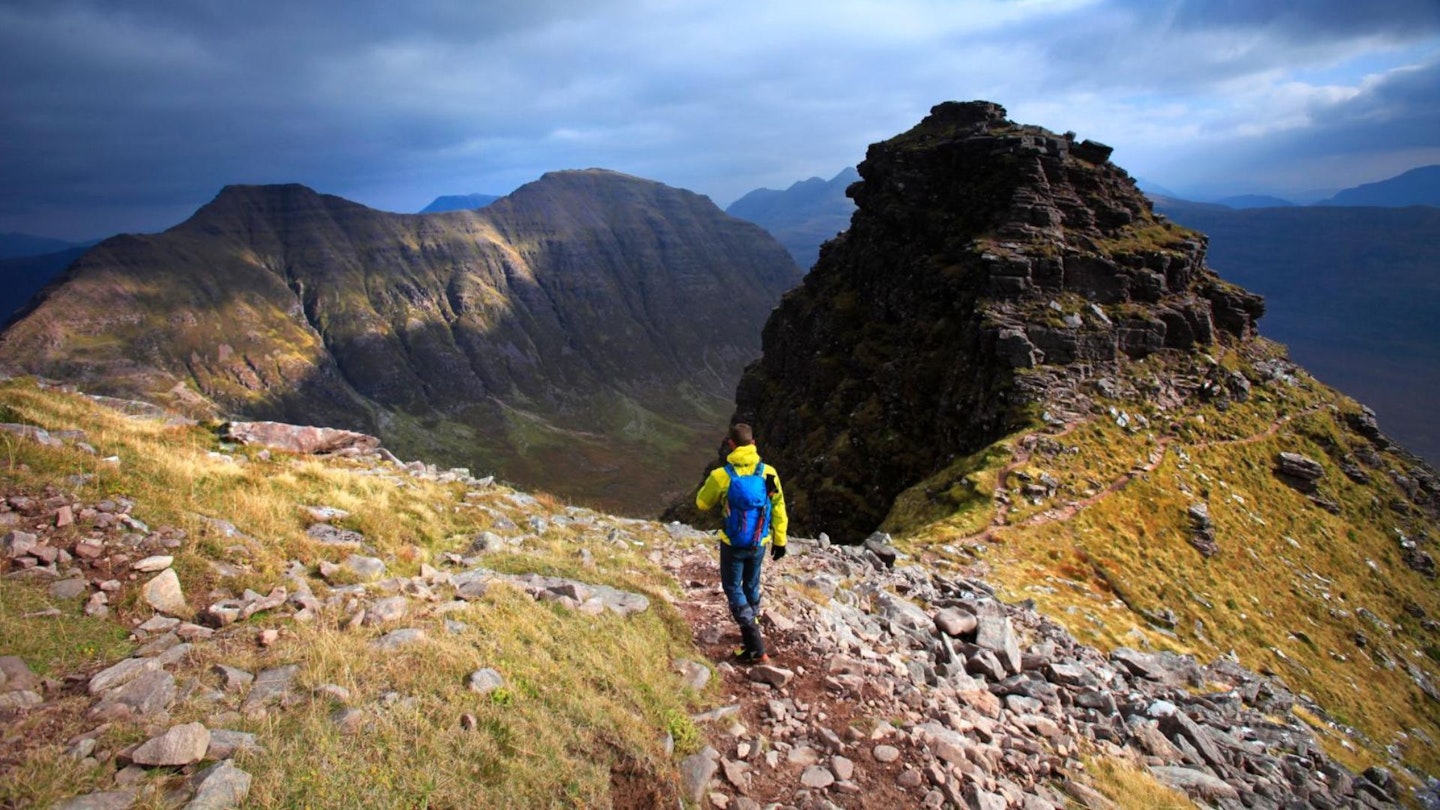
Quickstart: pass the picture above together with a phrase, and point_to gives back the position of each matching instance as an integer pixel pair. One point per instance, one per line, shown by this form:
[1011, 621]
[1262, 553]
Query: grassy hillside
[1092, 521]
[588, 700]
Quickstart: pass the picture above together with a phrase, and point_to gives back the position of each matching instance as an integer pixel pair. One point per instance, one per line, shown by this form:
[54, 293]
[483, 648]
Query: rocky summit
[989, 270]
[586, 320]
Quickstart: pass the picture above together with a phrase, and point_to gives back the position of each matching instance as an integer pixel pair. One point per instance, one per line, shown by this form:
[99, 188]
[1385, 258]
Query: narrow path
[792, 646]
[748, 707]
[1069, 510]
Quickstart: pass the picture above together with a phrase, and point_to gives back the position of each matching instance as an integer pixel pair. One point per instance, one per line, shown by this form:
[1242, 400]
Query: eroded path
[834, 720]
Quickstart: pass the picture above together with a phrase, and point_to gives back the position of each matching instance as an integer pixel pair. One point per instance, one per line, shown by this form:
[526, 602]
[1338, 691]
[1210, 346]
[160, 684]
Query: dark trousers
[740, 579]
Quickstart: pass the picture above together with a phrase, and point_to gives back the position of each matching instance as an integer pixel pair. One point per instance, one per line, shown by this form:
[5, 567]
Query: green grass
[69, 642]
[588, 701]
[1285, 591]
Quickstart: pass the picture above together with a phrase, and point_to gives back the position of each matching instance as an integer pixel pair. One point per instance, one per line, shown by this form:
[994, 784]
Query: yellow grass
[587, 704]
[1284, 593]
[1132, 787]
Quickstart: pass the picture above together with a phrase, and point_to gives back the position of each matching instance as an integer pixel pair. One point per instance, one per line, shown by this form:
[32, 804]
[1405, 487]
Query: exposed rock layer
[988, 266]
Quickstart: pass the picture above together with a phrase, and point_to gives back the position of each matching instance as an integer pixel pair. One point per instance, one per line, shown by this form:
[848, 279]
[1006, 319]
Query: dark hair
[741, 434]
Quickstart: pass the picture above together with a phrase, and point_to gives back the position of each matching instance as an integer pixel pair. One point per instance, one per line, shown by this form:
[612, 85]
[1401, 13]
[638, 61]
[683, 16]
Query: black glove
[776, 552]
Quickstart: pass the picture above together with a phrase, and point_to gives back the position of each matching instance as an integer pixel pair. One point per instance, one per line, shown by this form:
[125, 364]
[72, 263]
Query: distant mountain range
[16, 245]
[1253, 201]
[459, 202]
[802, 216]
[1420, 186]
[583, 335]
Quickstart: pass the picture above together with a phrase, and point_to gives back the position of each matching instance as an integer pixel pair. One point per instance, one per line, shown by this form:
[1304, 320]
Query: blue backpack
[748, 518]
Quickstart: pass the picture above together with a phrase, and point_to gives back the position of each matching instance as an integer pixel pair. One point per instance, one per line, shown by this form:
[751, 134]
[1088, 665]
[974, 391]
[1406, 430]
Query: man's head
[741, 434]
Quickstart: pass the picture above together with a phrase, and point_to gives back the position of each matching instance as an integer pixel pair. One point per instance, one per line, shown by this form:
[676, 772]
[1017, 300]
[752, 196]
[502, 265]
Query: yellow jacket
[713, 491]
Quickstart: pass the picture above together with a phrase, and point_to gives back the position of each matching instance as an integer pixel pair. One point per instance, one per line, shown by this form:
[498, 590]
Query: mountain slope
[802, 216]
[576, 335]
[347, 630]
[1013, 366]
[1419, 186]
[1353, 292]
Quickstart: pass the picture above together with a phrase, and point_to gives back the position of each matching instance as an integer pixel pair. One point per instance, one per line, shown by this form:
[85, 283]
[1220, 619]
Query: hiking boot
[744, 656]
[754, 649]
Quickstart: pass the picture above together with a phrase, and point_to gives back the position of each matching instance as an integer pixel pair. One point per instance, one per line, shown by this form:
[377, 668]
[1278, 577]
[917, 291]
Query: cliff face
[587, 310]
[989, 269]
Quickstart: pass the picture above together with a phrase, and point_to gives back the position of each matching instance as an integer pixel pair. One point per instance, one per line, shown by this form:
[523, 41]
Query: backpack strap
[764, 523]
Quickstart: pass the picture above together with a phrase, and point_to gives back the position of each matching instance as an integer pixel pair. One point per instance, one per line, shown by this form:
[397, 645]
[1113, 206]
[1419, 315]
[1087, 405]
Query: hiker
[754, 509]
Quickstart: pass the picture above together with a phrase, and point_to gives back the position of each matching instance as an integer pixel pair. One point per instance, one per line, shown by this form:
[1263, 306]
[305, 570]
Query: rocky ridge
[990, 272]
[892, 682]
[989, 705]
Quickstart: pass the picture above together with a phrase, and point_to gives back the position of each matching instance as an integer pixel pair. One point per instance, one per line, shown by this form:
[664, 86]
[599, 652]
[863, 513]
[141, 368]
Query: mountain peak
[582, 301]
[1006, 265]
[241, 202]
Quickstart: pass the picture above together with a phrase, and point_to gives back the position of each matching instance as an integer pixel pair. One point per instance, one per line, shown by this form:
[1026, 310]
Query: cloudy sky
[127, 115]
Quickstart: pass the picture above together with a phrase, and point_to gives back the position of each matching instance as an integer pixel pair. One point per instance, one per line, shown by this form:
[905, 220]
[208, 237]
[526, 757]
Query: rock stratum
[574, 335]
[989, 269]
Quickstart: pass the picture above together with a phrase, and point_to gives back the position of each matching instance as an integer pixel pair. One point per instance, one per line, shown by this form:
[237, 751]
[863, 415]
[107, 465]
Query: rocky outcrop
[603, 314]
[299, 439]
[989, 705]
[989, 269]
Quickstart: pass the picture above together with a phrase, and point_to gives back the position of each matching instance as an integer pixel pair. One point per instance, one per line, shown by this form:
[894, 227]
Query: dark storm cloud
[1311, 19]
[154, 100]
[1183, 45]
[131, 114]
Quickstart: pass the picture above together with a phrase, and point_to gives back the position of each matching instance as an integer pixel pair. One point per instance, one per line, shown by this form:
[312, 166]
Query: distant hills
[802, 216]
[15, 245]
[1420, 186]
[1354, 292]
[1253, 201]
[459, 202]
[583, 335]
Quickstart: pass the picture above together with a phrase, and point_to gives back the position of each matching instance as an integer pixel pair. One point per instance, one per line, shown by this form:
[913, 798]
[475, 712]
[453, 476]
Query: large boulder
[298, 438]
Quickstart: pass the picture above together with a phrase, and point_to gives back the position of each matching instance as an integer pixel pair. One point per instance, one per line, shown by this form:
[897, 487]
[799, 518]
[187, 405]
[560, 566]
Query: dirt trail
[791, 645]
[1070, 510]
